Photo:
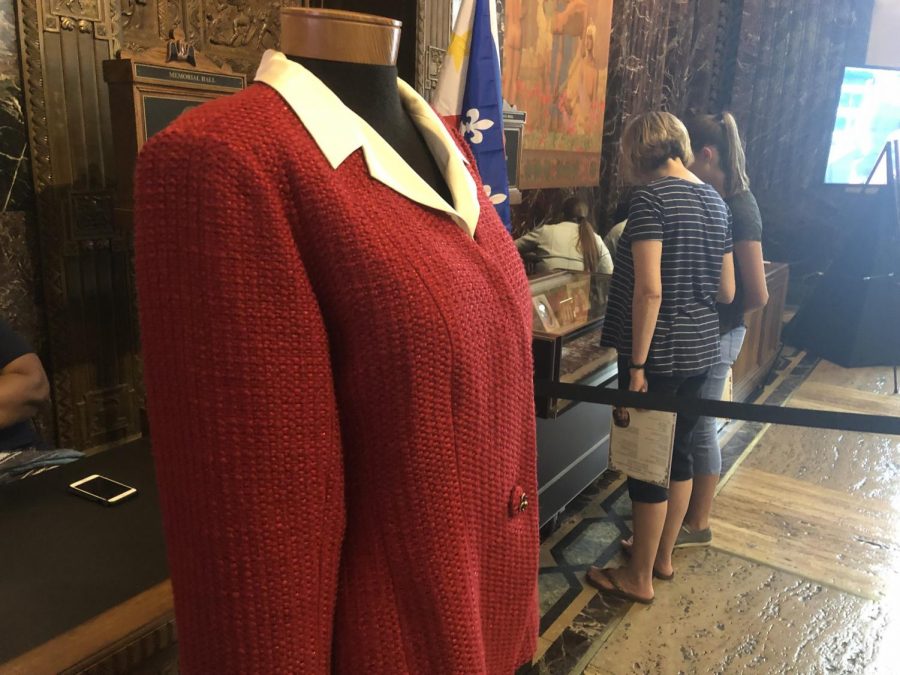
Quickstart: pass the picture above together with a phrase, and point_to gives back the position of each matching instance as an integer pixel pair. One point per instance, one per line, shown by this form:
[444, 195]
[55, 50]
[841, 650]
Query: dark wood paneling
[763, 341]
[137, 636]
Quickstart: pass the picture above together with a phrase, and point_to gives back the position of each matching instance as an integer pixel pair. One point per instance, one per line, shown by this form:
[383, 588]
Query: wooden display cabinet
[572, 439]
[568, 312]
[763, 342]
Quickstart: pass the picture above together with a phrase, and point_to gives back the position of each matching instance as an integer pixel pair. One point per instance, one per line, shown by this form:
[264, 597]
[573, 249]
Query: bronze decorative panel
[90, 10]
[227, 32]
[86, 258]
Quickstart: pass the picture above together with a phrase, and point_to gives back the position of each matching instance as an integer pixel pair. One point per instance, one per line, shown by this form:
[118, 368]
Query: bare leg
[649, 522]
[637, 575]
[698, 511]
[679, 497]
[697, 517]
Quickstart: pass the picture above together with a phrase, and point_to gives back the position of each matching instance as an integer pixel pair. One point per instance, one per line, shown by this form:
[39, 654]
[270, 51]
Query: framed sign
[513, 130]
[149, 92]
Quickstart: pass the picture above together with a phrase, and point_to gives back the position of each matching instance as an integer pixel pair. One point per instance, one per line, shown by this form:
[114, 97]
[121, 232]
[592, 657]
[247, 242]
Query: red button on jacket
[518, 501]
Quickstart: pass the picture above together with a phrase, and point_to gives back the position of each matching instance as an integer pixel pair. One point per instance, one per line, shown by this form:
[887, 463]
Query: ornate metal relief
[433, 29]
[227, 32]
[433, 60]
[434, 26]
[92, 216]
[91, 10]
[88, 289]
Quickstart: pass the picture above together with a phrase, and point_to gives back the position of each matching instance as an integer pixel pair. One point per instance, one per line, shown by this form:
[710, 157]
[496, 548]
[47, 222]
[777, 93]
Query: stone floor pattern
[802, 576]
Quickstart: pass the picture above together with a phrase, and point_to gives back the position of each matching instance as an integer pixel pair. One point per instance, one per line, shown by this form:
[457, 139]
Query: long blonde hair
[576, 211]
[721, 132]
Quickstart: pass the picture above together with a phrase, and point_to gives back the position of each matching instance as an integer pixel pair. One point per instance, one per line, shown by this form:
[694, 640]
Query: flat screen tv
[868, 115]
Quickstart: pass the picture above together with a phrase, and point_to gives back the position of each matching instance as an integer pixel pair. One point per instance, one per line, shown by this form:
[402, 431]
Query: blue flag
[474, 58]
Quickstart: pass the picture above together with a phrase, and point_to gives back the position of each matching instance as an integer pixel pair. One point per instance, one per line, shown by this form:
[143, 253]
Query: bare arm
[23, 390]
[753, 274]
[647, 298]
[726, 284]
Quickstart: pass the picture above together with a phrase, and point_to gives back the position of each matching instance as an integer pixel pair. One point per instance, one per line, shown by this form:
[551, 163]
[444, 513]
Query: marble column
[15, 172]
[786, 86]
[17, 236]
[19, 264]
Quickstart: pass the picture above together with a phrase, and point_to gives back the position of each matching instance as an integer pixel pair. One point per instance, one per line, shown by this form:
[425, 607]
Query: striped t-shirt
[694, 225]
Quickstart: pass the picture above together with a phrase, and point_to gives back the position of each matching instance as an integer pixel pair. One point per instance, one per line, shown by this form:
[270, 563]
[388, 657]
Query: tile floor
[802, 576]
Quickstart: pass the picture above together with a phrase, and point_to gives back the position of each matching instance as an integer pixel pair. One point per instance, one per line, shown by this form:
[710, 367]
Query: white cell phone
[102, 489]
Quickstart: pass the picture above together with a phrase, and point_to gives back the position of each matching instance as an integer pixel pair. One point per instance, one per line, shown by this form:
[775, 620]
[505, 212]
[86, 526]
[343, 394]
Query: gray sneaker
[688, 538]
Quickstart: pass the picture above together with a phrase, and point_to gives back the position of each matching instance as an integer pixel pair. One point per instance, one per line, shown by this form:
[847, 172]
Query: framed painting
[555, 60]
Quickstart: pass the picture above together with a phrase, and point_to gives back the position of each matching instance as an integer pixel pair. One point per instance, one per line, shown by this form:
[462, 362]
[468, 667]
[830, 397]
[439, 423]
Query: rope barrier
[748, 412]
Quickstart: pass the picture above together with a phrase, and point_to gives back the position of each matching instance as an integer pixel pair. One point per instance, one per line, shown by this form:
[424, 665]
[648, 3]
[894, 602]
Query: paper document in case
[641, 444]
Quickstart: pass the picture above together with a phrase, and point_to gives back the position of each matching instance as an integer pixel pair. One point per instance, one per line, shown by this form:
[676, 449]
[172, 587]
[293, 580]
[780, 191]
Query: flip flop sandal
[663, 577]
[616, 591]
[626, 551]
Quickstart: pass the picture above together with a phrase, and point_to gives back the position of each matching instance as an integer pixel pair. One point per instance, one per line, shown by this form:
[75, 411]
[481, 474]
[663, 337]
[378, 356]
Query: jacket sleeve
[242, 410]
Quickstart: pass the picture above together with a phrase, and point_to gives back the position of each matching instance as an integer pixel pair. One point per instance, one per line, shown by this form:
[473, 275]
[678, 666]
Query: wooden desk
[763, 341]
[84, 587]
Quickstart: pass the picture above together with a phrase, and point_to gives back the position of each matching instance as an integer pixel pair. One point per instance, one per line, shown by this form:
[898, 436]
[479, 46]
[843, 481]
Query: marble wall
[790, 57]
[19, 265]
[15, 172]
[664, 56]
[18, 249]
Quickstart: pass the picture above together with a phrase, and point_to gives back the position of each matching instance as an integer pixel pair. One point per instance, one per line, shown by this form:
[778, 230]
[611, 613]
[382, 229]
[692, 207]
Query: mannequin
[356, 56]
[338, 373]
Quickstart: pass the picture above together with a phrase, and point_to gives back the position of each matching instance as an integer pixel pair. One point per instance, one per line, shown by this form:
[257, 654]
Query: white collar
[338, 131]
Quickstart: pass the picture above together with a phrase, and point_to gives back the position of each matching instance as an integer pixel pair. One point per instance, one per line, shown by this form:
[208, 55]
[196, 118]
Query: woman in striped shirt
[673, 264]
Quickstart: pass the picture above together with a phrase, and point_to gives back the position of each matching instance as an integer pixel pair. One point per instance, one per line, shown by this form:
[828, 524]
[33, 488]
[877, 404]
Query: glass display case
[568, 311]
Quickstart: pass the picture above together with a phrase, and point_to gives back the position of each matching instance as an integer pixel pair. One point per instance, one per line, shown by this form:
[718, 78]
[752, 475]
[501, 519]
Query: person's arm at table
[23, 389]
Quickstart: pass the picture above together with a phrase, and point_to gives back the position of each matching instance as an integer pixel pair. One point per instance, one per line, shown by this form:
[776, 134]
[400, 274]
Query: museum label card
[641, 444]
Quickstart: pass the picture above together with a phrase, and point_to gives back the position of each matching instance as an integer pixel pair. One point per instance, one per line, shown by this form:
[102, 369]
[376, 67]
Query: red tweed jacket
[340, 397]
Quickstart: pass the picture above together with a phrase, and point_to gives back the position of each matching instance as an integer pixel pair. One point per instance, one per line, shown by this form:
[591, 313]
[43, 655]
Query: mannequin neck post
[371, 91]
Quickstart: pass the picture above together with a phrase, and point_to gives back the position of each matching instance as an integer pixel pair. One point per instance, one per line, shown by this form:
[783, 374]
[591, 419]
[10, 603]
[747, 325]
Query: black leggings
[682, 460]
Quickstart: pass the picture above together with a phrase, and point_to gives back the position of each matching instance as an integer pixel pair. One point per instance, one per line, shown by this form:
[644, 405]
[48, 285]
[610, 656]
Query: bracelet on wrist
[636, 366]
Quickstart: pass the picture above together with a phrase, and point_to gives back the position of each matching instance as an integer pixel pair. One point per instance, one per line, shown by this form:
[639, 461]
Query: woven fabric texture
[340, 397]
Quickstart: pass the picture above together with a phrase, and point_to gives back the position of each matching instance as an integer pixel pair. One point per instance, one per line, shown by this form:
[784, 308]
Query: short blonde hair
[650, 140]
